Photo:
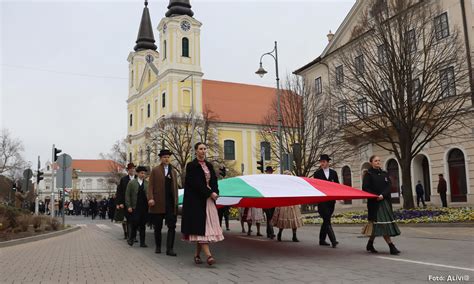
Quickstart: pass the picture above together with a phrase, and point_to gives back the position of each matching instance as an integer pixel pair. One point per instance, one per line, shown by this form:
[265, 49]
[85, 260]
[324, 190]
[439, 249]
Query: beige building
[451, 156]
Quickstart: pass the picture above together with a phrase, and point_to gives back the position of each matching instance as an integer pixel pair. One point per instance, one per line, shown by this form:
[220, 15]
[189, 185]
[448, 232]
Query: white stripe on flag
[226, 201]
[281, 186]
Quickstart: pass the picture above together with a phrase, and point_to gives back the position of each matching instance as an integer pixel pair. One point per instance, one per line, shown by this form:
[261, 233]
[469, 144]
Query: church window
[131, 120]
[148, 112]
[265, 145]
[164, 49]
[131, 79]
[185, 47]
[130, 157]
[229, 150]
[163, 100]
[149, 75]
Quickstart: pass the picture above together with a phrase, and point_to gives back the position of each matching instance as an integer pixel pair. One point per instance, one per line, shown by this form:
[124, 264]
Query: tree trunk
[407, 190]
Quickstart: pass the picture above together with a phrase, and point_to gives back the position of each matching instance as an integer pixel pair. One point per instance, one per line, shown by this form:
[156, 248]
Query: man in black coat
[120, 198]
[326, 209]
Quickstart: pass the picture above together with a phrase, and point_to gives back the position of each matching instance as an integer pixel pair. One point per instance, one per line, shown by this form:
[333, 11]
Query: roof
[95, 166]
[237, 103]
[299, 70]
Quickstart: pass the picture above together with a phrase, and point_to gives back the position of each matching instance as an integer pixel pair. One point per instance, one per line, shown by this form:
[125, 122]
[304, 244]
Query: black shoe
[393, 249]
[130, 242]
[323, 243]
[335, 244]
[295, 239]
[158, 250]
[370, 247]
[135, 241]
[143, 245]
[279, 237]
[171, 253]
[227, 229]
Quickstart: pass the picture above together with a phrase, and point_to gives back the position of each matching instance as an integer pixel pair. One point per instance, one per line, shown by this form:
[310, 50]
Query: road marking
[81, 225]
[426, 263]
[103, 227]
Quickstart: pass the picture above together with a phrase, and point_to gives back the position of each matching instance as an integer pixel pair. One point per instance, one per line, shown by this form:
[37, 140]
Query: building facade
[170, 82]
[450, 156]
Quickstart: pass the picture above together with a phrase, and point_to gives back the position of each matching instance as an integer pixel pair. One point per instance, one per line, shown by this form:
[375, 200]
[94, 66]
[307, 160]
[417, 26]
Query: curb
[38, 237]
[465, 225]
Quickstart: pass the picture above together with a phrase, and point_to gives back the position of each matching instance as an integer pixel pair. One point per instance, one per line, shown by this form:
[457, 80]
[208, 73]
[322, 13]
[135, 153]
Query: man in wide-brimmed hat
[120, 198]
[137, 206]
[326, 209]
[163, 201]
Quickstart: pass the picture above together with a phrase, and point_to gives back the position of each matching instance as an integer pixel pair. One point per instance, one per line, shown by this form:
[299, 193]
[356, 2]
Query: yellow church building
[170, 82]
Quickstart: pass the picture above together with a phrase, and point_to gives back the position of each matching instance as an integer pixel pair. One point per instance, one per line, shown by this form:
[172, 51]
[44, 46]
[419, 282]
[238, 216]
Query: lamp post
[192, 111]
[261, 72]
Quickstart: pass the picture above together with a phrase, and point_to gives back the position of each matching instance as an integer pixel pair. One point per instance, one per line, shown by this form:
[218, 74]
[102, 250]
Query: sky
[63, 64]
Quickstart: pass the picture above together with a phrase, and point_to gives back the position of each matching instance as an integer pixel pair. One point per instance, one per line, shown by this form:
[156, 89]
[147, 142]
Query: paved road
[96, 253]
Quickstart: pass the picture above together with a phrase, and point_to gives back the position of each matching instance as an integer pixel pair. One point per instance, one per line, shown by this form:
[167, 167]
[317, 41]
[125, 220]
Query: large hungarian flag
[266, 191]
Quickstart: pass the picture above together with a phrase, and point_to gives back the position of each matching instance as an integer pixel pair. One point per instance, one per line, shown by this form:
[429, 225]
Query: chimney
[330, 36]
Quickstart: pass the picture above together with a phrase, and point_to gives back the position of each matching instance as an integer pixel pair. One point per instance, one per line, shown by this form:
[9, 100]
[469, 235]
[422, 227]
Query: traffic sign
[64, 178]
[64, 161]
[28, 173]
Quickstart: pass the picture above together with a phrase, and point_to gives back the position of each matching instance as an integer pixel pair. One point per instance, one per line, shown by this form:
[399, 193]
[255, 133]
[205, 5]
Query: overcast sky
[64, 64]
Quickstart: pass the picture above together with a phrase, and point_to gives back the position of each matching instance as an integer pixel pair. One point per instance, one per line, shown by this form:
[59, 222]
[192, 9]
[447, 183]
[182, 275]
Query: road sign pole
[51, 202]
[62, 198]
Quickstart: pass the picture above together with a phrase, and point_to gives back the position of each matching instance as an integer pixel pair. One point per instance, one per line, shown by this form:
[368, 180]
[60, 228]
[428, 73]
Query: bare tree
[307, 123]
[118, 156]
[403, 80]
[11, 160]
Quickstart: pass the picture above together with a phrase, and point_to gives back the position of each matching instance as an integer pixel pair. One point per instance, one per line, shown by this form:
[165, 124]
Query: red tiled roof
[95, 166]
[237, 103]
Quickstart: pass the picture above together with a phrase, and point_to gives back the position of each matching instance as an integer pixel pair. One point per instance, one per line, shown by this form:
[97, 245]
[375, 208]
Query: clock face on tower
[185, 26]
[149, 58]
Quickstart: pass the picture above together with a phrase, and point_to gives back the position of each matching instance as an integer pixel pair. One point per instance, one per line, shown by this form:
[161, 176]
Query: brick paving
[97, 254]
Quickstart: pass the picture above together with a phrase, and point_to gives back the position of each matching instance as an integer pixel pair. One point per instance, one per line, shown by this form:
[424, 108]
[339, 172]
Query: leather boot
[170, 243]
[332, 237]
[125, 233]
[393, 249]
[295, 239]
[279, 235]
[157, 241]
[370, 246]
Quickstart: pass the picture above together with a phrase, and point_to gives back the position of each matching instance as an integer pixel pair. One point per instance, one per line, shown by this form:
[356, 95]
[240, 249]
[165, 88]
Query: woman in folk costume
[288, 217]
[380, 215]
[200, 221]
[253, 216]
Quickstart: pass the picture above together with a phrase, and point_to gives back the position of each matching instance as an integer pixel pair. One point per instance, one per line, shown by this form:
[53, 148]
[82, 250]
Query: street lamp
[192, 110]
[261, 72]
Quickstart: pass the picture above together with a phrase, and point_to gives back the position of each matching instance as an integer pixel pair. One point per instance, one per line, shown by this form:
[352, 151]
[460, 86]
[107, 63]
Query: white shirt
[166, 169]
[140, 181]
[326, 173]
[131, 177]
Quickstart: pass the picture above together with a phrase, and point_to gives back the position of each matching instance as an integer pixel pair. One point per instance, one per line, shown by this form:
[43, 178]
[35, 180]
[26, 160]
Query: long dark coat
[120, 194]
[376, 181]
[196, 193]
[157, 191]
[326, 208]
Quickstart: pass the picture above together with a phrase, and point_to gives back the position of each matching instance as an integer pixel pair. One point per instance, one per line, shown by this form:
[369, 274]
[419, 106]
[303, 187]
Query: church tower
[180, 58]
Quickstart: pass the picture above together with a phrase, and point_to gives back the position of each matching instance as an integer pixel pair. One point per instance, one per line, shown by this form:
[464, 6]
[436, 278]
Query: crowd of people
[154, 199]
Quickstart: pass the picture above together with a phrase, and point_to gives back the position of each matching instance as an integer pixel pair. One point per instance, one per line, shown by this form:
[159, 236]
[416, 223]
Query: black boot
[332, 237]
[157, 241]
[142, 238]
[393, 249]
[370, 246]
[125, 234]
[170, 242]
[279, 235]
[295, 239]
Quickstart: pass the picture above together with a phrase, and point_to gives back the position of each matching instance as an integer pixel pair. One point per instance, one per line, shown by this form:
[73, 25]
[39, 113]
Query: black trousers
[444, 201]
[325, 210]
[170, 221]
[420, 197]
[136, 222]
[223, 212]
[269, 215]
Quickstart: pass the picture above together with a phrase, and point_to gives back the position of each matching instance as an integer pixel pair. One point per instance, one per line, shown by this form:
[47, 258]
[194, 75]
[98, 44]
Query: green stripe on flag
[236, 187]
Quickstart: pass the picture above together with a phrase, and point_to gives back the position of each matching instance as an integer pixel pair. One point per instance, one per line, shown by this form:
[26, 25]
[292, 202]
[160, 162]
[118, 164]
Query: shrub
[37, 221]
[23, 222]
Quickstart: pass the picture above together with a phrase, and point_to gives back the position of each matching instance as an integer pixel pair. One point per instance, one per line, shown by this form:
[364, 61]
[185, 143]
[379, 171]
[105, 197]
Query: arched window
[394, 174]
[185, 47]
[148, 111]
[229, 150]
[164, 49]
[163, 100]
[149, 75]
[347, 180]
[130, 157]
[131, 79]
[131, 120]
[457, 176]
[267, 150]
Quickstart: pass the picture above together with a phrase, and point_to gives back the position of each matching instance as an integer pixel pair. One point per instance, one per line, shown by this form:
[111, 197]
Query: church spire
[179, 7]
[145, 39]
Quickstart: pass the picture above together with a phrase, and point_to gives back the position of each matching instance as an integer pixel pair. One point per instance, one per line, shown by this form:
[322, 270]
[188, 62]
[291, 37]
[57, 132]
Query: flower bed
[403, 216]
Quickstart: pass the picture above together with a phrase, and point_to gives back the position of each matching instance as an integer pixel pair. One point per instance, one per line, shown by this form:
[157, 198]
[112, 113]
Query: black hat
[165, 152]
[324, 157]
[130, 166]
[141, 169]
[269, 169]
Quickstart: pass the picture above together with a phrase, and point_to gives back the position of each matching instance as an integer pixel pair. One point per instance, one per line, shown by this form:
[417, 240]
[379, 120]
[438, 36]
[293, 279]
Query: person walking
[137, 206]
[442, 190]
[224, 213]
[287, 217]
[269, 211]
[254, 216]
[120, 214]
[380, 214]
[163, 201]
[326, 209]
[86, 207]
[200, 221]
[420, 194]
